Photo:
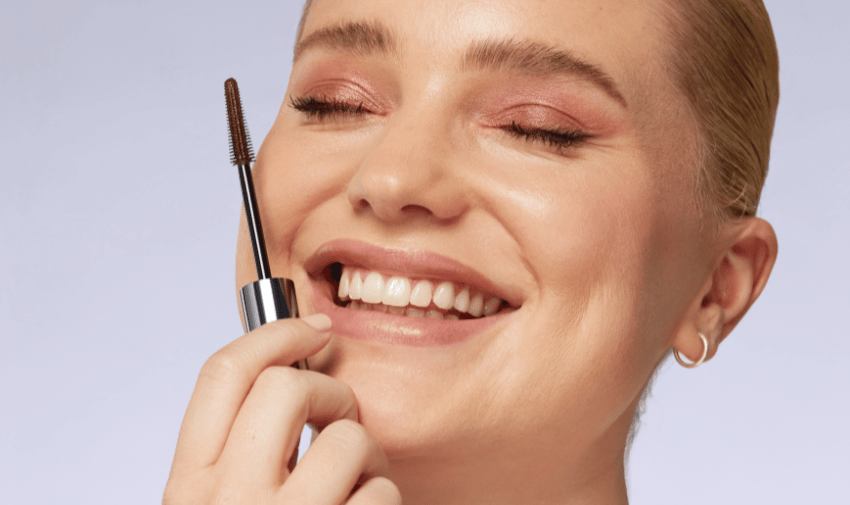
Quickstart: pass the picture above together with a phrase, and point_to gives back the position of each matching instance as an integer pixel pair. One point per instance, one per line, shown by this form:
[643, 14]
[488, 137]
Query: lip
[391, 328]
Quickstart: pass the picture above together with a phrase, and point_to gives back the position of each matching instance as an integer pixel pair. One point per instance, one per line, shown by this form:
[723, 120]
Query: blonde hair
[303, 20]
[723, 58]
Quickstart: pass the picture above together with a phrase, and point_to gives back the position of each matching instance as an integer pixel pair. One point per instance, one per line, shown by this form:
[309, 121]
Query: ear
[747, 253]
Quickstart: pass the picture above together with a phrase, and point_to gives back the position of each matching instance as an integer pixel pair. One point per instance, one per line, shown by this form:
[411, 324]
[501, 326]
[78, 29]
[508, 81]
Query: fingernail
[320, 322]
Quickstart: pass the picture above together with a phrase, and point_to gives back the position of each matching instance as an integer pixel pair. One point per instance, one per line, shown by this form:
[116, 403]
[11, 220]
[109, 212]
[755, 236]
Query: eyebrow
[355, 37]
[537, 59]
[519, 56]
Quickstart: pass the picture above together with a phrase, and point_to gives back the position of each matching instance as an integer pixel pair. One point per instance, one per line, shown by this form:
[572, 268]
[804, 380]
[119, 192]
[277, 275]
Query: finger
[343, 454]
[268, 427]
[376, 491]
[228, 375]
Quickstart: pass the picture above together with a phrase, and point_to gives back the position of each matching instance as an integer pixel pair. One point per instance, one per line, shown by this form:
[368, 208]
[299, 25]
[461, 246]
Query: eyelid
[537, 125]
[343, 89]
[533, 115]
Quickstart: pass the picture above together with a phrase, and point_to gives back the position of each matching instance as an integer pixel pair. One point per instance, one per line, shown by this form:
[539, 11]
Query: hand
[244, 421]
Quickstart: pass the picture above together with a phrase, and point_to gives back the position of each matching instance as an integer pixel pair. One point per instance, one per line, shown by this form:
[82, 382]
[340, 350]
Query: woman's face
[534, 152]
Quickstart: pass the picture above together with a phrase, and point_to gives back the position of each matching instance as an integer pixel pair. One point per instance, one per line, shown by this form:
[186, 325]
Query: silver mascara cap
[268, 300]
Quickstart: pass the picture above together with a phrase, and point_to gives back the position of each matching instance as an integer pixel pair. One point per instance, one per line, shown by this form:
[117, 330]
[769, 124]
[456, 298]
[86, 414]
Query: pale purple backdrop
[119, 211]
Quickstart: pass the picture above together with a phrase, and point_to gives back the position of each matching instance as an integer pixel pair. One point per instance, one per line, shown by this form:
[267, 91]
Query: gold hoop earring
[701, 358]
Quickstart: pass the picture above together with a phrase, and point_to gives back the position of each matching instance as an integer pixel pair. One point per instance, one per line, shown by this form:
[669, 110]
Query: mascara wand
[241, 155]
[269, 298]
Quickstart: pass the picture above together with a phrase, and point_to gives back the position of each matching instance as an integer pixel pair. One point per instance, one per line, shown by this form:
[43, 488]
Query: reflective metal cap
[268, 300]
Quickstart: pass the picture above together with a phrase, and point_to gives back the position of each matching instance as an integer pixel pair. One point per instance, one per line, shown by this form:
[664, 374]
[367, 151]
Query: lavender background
[119, 213]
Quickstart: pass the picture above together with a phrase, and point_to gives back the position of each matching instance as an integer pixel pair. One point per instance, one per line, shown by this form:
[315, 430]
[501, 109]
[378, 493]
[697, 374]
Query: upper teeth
[372, 288]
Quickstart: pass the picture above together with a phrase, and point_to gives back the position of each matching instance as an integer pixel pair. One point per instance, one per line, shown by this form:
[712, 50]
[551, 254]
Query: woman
[501, 219]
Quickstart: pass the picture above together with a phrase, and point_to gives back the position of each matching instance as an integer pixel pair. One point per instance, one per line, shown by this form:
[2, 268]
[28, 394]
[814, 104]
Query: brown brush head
[241, 150]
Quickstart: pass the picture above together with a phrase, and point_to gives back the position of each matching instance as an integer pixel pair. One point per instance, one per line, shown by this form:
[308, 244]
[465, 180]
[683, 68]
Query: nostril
[362, 204]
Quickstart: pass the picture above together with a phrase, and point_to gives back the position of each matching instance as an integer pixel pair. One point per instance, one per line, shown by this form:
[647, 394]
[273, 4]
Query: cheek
[292, 178]
[602, 247]
[596, 266]
[585, 229]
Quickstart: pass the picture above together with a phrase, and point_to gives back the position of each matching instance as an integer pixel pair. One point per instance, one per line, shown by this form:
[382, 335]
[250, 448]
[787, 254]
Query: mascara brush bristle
[241, 150]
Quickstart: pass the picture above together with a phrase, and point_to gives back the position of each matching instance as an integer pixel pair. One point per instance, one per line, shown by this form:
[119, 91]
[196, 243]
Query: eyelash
[321, 109]
[324, 108]
[558, 140]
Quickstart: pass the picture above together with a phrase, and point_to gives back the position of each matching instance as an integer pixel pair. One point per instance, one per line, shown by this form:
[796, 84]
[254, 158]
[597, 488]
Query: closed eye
[323, 108]
[557, 140]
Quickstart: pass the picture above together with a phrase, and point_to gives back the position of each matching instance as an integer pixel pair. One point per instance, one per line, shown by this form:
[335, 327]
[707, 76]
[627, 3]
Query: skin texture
[599, 247]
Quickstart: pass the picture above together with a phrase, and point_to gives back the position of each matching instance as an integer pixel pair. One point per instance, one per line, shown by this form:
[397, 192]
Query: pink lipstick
[403, 296]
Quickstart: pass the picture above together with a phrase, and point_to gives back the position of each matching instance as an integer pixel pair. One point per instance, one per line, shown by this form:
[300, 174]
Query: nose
[408, 174]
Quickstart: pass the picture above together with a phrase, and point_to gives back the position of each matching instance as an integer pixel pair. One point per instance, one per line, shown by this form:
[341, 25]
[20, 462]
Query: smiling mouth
[362, 289]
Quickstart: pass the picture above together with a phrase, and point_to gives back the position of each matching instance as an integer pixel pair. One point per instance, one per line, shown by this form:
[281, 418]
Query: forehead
[621, 37]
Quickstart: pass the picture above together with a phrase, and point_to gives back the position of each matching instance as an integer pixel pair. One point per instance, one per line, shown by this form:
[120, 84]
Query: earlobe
[747, 256]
